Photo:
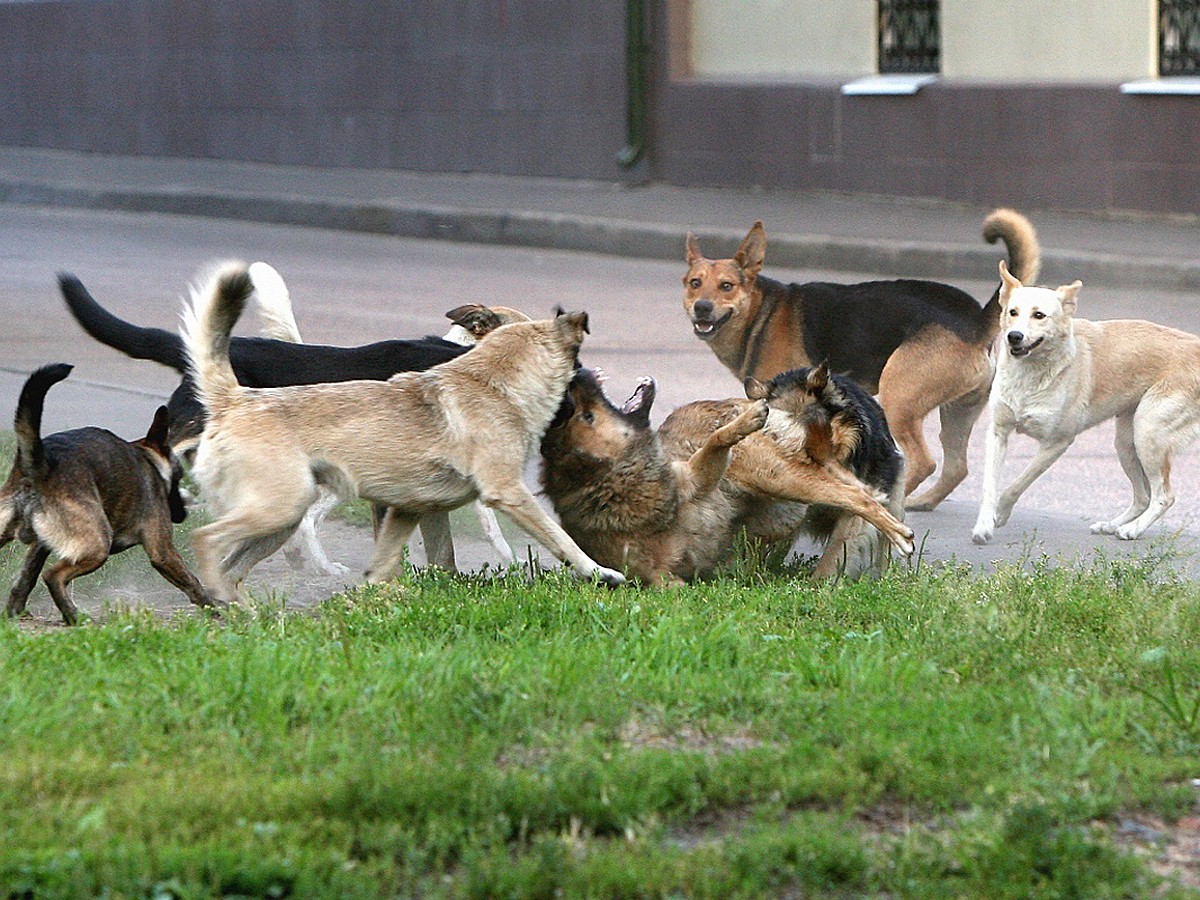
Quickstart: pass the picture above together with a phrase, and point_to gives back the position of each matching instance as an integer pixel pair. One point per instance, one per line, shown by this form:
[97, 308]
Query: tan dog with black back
[919, 345]
[86, 494]
[417, 443]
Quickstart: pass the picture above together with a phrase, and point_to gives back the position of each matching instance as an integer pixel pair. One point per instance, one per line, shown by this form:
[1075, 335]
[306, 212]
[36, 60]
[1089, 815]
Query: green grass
[932, 734]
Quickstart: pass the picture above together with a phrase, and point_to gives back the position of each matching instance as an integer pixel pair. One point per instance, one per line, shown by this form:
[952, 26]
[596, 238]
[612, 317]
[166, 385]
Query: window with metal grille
[909, 36]
[1179, 37]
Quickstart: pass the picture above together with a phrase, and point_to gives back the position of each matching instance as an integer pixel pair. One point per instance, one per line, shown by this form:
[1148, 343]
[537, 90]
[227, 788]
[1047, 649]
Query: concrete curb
[611, 236]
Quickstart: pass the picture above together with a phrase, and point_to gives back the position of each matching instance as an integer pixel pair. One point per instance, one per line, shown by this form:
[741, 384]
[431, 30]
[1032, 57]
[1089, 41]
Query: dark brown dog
[85, 495]
[919, 345]
[666, 507]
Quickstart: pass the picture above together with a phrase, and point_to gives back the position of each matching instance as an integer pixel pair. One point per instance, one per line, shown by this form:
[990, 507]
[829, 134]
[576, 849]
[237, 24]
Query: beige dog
[420, 442]
[1058, 375]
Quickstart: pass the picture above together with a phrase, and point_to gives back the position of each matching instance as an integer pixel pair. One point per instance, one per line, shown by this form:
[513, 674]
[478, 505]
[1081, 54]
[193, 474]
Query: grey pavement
[818, 230]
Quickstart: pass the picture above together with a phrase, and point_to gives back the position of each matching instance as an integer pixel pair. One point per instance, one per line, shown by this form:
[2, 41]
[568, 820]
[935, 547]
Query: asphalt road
[353, 288]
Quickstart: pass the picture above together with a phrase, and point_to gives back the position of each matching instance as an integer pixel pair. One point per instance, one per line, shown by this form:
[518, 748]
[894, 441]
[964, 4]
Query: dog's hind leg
[958, 419]
[1132, 466]
[60, 575]
[227, 549]
[391, 539]
[1162, 426]
[306, 544]
[516, 502]
[35, 559]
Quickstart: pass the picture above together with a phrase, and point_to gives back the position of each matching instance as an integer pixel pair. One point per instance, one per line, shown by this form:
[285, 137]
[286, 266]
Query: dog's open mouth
[706, 328]
[1025, 349]
[642, 396]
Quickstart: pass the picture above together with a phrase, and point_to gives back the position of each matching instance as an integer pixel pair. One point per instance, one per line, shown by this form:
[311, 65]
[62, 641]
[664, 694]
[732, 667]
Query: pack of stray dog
[421, 427]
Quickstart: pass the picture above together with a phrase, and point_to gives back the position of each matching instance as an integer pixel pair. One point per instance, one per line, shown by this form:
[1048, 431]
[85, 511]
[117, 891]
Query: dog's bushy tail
[216, 305]
[274, 304]
[153, 344]
[1024, 254]
[27, 423]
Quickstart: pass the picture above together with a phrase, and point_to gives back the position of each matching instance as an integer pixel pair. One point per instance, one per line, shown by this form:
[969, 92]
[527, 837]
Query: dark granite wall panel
[1075, 147]
[508, 86]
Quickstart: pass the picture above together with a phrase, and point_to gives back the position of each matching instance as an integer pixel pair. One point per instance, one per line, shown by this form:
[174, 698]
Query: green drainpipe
[636, 83]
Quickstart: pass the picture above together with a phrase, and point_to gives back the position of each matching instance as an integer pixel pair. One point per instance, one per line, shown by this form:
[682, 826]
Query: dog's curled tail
[31, 457]
[1019, 236]
[274, 304]
[216, 304]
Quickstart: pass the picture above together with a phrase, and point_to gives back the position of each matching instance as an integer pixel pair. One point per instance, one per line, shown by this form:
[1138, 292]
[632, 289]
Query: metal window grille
[1179, 37]
[909, 36]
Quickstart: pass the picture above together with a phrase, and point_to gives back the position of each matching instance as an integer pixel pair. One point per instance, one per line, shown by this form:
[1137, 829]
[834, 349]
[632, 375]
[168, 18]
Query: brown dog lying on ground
[417, 443]
[919, 345]
[86, 494]
[666, 506]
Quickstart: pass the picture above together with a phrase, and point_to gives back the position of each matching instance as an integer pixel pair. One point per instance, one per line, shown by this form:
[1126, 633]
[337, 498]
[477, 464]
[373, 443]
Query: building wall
[1017, 41]
[1028, 112]
[782, 39]
[506, 86]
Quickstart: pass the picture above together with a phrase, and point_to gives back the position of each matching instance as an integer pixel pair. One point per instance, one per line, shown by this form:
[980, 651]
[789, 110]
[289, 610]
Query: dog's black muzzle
[1017, 346]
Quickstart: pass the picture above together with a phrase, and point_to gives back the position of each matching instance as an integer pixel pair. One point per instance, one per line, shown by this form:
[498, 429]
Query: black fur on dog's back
[857, 327]
[258, 362]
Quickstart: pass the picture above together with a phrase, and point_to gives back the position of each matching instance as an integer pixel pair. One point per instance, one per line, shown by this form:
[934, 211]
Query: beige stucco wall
[1043, 40]
[1001, 40]
[782, 38]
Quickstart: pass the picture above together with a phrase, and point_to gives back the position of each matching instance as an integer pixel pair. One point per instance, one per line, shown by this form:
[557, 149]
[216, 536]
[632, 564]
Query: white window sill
[1175, 84]
[887, 85]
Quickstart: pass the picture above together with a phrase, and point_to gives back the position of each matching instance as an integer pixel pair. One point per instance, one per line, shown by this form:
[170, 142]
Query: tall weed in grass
[466, 737]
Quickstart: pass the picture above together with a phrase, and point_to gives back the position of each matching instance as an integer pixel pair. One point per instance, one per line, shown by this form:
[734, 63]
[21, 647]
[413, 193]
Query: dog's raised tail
[274, 304]
[27, 423]
[155, 344]
[216, 304]
[1021, 240]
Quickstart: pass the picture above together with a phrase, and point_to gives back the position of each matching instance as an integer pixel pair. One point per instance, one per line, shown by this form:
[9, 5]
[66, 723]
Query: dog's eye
[695, 283]
[1012, 312]
[727, 285]
[587, 416]
[1039, 315]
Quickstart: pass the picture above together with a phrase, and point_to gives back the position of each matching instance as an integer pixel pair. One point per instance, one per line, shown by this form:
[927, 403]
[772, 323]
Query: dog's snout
[1015, 338]
[702, 309]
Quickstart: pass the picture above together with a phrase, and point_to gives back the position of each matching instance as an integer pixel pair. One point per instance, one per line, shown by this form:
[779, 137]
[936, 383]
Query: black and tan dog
[666, 506]
[86, 494]
[837, 421]
[919, 345]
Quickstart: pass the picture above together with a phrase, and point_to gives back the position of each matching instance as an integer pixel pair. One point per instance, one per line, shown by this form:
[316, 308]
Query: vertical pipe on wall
[636, 83]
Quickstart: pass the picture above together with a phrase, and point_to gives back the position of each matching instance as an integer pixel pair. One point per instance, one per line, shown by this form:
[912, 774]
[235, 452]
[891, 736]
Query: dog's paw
[1130, 531]
[903, 540]
[984, 528]
[754, 418]
[1105, 527]
[610, 577]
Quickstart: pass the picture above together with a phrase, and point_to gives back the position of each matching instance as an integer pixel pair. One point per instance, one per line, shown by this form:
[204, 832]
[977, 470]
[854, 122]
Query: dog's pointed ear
[756, 390]
[157, 435]
[818, 379]
[475, 318]
[753, 251]
[1008, 281]
[693, 254]
[573, 321]
[1068, 296]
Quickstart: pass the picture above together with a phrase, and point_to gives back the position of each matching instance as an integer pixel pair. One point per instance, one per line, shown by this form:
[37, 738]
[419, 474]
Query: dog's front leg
[993, 469]
[439, 542]
[707, 466]
[521, 506]
[1047, 454]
